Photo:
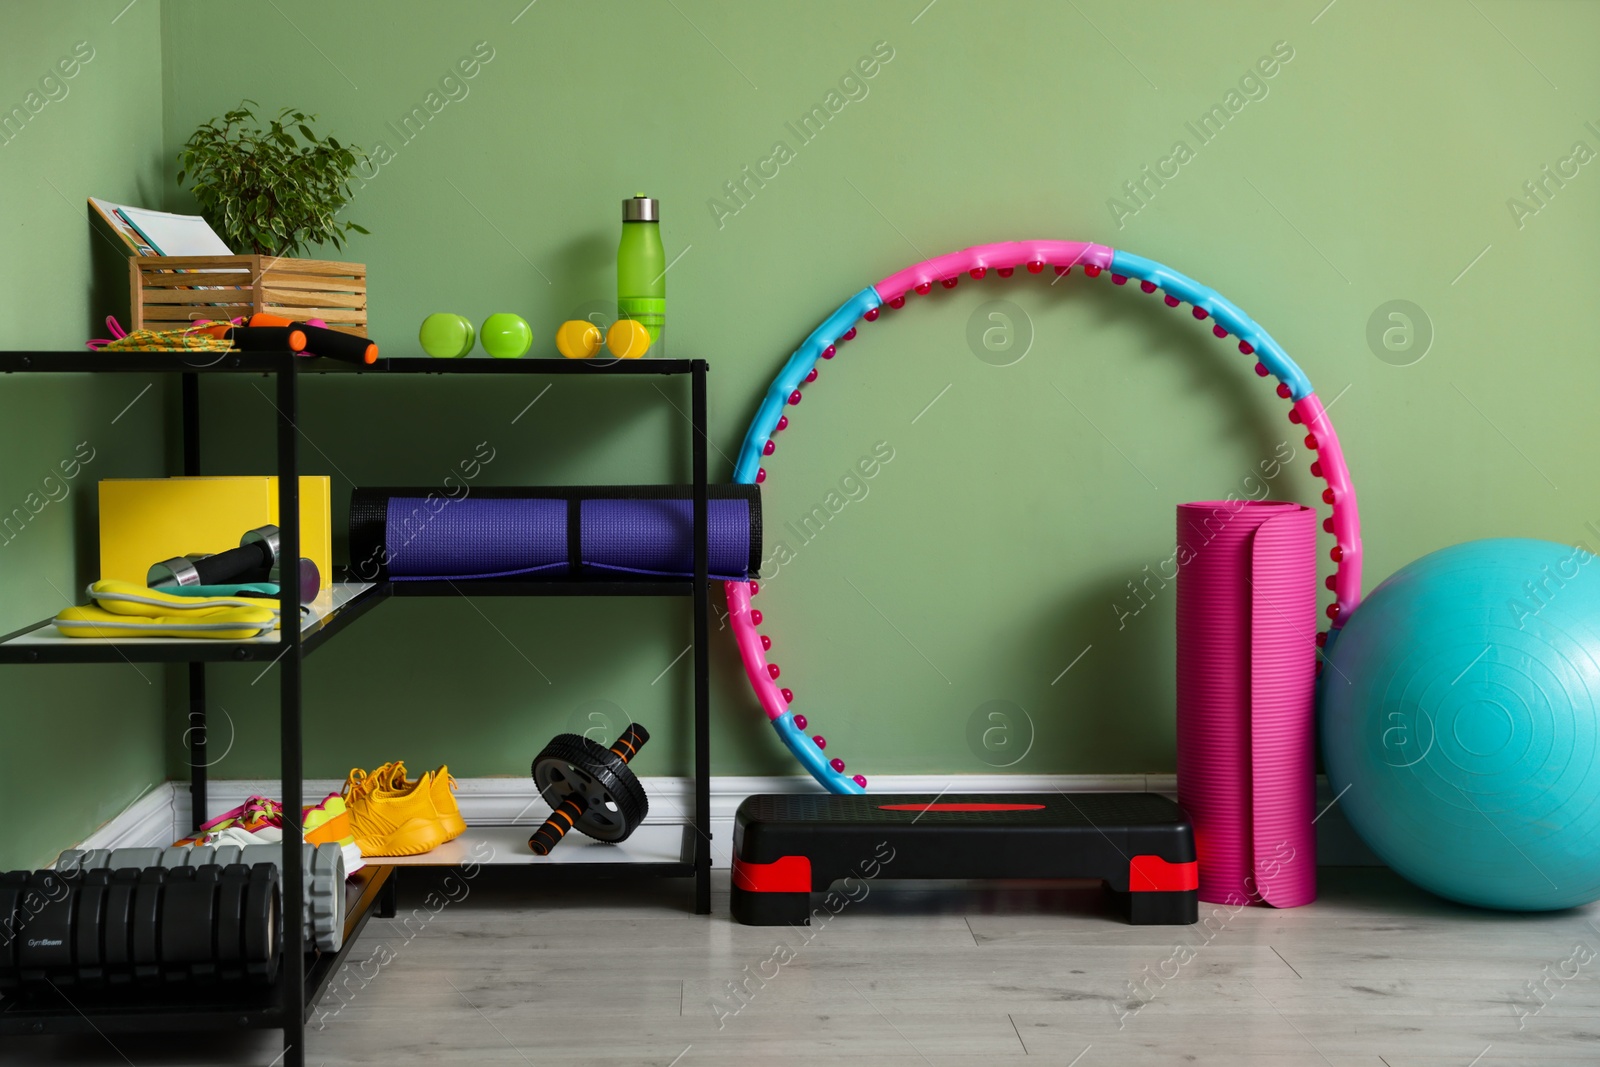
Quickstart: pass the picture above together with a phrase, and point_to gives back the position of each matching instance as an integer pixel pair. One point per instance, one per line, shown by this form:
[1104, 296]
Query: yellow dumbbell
[628, 339]
[579, 339]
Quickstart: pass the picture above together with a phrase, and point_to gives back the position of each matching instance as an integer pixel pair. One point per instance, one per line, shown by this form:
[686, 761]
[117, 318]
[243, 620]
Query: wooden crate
[170, 291]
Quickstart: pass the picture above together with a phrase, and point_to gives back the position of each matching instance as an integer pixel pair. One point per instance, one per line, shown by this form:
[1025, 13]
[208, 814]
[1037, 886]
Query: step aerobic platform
[786, 847]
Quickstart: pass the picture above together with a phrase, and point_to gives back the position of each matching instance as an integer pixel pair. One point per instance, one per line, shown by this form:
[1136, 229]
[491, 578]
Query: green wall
[999, 541]
[80, 743]
[1374, 165]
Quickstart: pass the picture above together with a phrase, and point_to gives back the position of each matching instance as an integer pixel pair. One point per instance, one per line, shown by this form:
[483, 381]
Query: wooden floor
[1375, 973]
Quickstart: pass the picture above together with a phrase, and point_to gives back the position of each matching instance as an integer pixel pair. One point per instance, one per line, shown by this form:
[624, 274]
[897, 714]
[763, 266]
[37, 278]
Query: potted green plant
[264, 190]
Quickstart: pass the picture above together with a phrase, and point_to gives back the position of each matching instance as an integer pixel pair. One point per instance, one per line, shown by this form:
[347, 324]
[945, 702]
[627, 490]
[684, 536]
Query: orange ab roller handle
[630, 742]
[556, 826]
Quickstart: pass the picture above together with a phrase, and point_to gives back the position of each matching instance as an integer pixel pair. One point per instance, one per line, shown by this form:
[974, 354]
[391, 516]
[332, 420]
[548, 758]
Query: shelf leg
[196, 733]
[389, 896]
[191, 424]
[291, 757]
[197, 743]
[702, 641]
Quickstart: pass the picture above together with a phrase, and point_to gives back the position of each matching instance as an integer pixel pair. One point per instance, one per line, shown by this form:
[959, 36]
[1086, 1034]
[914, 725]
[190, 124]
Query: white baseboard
[163, 815]
[149, 820]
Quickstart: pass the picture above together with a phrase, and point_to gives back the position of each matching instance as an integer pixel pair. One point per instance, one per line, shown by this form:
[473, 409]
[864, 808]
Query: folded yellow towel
[224, 624]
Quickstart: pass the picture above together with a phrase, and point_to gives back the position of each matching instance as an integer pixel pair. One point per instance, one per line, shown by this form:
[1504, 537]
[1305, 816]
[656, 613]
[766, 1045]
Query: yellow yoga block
[147, 520]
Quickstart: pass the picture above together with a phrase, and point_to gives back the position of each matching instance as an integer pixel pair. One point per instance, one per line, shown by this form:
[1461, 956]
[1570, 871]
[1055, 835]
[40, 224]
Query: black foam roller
[230, 916]
[45, 944]
[145, 925]
[189, 923]
[118, 939]
[263, 933]
[12, 886]
[89, 926]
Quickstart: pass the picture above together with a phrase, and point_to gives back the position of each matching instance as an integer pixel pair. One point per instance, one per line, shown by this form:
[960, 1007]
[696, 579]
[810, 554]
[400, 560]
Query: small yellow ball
[578, 339]
[628, 339]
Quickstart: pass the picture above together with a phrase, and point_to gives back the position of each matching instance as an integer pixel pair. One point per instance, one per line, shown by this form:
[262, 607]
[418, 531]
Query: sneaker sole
[411, 838]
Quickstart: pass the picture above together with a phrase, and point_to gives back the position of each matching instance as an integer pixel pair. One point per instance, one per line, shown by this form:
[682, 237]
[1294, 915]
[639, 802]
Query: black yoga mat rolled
[614, 532]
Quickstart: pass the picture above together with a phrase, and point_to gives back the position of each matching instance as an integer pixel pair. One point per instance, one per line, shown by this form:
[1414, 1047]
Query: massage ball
[446, 336]
[1460, 720]
[506, 336]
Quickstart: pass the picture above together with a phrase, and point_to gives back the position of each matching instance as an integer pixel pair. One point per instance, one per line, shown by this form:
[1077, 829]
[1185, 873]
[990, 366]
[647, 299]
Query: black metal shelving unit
[289, 1003]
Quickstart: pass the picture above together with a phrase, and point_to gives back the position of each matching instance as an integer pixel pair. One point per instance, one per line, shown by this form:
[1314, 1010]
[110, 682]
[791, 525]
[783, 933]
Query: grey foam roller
[322, 875]
[326, 867]
[95, 859]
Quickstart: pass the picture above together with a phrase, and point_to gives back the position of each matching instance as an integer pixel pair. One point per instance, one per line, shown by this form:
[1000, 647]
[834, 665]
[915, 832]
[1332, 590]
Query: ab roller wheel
[589, 788]
[149, 927]
[323, 876]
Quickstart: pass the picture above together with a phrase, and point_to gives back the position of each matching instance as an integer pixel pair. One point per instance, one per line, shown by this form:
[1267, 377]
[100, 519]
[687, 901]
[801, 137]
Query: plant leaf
[261, 189]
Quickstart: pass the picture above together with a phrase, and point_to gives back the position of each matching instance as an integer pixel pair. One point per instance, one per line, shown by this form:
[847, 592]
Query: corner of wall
[169, 91]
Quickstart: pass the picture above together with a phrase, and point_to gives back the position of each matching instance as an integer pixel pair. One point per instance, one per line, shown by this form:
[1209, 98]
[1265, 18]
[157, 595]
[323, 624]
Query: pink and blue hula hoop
[1004, 259]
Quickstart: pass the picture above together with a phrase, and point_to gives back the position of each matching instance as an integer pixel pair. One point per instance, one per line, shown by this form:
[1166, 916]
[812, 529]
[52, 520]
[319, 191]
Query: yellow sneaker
[440, 785]
[395, 822]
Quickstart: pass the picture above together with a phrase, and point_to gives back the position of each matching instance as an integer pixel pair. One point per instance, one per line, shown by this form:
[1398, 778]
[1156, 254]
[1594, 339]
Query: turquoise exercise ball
[1460, 719]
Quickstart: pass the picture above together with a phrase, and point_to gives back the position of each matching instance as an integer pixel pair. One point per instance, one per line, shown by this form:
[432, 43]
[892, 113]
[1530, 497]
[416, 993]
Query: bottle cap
[641, 208]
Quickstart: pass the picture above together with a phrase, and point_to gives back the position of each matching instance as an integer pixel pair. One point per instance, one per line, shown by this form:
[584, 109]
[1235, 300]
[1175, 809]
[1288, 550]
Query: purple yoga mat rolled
[586, 532]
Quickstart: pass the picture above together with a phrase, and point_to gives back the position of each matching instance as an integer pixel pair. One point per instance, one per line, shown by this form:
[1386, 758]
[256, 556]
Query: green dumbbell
[506, 336]
[446, 336]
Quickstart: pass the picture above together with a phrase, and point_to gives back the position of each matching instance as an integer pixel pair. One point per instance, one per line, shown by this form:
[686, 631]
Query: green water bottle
[642, 266]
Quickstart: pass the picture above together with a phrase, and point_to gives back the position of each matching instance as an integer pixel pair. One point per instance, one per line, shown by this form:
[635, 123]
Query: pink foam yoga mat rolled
[1247, 625]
